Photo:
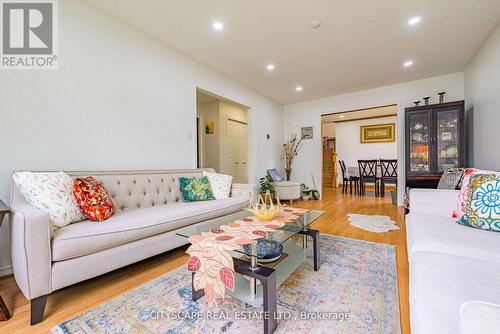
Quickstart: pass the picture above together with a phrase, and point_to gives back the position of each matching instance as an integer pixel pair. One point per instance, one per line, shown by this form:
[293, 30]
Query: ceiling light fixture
[270, 67]
[299, 88]
[341, 116]
[414, 20]
[217, 26]
[408, 63]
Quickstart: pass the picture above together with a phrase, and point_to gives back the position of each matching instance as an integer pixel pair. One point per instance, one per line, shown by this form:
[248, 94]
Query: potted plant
[314, 193]
[266, 184]
[290, 150]
[305, 192]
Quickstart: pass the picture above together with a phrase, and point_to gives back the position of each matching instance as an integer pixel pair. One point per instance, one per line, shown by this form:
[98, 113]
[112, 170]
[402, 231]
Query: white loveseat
[149, 210]
[454, 269]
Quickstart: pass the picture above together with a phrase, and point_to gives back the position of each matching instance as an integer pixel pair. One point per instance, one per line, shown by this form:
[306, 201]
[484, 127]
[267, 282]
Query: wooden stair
[329, 168]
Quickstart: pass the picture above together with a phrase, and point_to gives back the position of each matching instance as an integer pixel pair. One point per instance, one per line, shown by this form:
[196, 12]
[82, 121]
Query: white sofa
[149, 210]
[454, 269]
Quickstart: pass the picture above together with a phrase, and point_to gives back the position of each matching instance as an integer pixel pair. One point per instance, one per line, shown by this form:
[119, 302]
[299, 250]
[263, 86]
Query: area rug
[355, 291]
[372, 223]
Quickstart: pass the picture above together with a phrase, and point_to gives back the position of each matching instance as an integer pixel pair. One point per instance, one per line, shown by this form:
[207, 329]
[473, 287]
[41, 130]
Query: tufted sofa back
[140, 189]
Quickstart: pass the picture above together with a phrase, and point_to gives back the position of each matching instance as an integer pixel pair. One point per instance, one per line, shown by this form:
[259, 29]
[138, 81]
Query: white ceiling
[361, 43]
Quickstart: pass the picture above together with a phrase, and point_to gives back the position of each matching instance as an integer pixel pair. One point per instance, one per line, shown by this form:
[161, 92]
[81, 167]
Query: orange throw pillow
[93, 199]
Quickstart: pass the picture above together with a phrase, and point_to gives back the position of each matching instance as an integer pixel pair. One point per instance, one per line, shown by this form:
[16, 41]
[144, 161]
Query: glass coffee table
[287, 245]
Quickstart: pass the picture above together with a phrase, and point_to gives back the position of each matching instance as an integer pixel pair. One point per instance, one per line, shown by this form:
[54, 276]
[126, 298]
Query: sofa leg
[38, 309]
[291, 201]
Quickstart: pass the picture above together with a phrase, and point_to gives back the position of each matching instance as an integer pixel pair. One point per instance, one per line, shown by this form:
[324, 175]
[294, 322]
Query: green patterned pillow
[482, 207]
[196, 189]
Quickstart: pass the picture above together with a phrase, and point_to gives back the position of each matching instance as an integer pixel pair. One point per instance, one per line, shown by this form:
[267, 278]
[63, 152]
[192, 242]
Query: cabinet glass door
[419, 126]
[447, 139]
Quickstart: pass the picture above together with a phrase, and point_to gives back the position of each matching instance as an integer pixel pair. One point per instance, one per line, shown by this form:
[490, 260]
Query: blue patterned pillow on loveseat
[482, 207]
[195, 189]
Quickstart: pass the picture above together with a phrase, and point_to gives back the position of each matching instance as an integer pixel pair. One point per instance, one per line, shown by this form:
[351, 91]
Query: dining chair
[368, 173]
[348, 179]
[344, 175]
[389, 173]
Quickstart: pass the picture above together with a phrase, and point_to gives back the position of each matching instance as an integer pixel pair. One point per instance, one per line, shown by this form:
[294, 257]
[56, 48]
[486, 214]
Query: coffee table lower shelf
[271, 276]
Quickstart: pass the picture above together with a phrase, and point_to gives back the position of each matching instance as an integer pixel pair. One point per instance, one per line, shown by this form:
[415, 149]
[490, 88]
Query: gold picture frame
[378, 133]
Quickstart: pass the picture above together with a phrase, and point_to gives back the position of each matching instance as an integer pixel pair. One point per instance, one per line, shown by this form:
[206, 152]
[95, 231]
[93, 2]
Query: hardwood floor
[335, 222]
[71, 301]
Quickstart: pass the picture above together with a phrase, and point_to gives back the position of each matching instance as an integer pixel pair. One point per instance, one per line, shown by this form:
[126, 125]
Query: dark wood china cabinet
[435, 141]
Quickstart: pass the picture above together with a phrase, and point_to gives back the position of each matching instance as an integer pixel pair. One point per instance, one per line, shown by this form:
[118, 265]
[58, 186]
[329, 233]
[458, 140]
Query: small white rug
[373, 223]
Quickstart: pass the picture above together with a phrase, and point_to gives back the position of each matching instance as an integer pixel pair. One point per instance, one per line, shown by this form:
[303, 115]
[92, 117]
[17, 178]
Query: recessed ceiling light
[408, 63]
[270, 67]
[299, 88]
[218, 25]
[414, 20]
[341, 116]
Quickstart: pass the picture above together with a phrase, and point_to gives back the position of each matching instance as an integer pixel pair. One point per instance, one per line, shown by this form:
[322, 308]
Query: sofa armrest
[440, 202]
[244, 190]
[477, 317]
[31, 251]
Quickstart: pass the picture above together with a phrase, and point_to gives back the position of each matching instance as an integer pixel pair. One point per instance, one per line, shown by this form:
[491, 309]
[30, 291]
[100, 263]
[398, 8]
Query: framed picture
[378, 133]
[306, 132]
[210, 128]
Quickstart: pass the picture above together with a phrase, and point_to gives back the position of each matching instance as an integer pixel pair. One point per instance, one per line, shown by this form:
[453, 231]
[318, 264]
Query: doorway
[330, 173]
[222, 136]
[344, 145]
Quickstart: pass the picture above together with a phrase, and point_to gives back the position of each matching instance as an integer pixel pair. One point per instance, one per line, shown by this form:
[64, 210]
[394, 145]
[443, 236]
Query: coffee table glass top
[269, 244]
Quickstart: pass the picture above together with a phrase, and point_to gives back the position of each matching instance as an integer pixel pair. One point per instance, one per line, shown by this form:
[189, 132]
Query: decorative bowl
[265, 215]
[267, 250]
[264, 208]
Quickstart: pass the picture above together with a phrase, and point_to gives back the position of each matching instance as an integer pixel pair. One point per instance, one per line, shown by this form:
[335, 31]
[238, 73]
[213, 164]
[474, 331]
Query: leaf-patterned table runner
[210, 260]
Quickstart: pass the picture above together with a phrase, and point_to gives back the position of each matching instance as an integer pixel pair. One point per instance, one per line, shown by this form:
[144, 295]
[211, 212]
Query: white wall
[309, 114]
[349, 146]
[119, 100]
[482, 91]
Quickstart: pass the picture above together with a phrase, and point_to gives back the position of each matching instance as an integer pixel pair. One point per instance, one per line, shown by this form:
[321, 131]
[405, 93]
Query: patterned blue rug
[355, 291]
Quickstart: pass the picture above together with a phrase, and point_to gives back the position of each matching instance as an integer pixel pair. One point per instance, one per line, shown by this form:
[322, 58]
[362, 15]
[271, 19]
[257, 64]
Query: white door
[243, 139]
[236, 155]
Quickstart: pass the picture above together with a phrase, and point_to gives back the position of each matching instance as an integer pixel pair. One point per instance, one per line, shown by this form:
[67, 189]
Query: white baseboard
[6, 271]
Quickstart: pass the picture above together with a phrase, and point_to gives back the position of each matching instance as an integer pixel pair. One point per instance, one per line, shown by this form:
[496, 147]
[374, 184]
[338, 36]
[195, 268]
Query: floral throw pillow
[463, 194]
[196, 189]
[482, 209]
[52, 193]
[220, 184]
[93, 199]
